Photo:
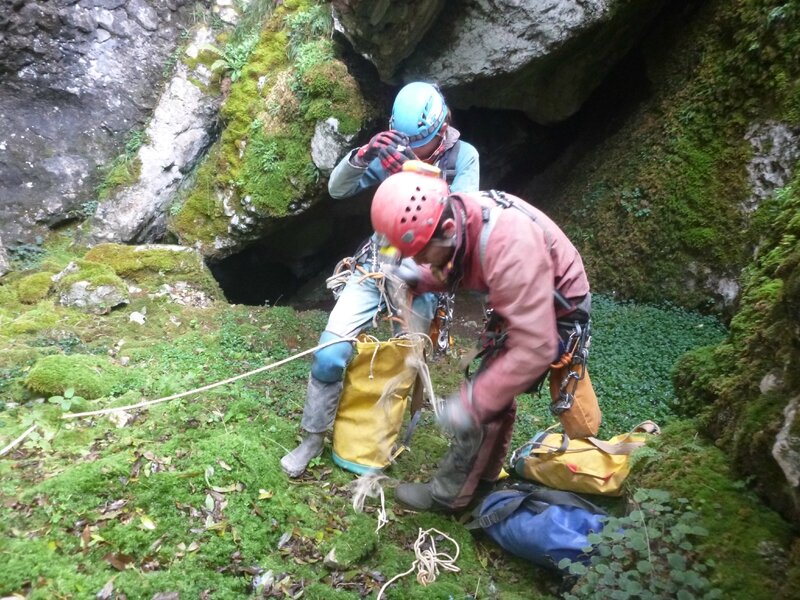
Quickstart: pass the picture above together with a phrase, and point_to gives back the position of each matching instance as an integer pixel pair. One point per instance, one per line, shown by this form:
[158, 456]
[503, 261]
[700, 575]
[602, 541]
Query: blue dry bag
[539, 524]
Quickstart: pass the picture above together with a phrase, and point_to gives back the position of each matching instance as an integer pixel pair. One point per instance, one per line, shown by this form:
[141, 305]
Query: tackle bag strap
[623, 447]
[533, 497]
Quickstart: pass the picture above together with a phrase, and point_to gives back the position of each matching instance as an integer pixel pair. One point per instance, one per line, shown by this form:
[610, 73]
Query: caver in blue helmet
[419, 111]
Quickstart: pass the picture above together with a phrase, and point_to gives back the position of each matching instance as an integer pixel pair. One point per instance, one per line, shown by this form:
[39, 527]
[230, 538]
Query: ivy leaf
[577, 569]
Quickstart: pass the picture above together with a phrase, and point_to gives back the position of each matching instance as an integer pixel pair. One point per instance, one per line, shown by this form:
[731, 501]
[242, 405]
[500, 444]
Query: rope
[370, 484]
[206, 387]
[428, 561]
[27, 432]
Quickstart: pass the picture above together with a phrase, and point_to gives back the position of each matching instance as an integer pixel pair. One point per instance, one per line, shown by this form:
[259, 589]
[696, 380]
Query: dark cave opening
[289, 265]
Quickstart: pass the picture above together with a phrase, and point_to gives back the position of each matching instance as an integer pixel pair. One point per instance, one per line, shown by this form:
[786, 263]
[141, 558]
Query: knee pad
[329, 363]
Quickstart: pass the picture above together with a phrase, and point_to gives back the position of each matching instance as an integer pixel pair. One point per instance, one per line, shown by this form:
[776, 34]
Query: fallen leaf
[224, 465]
[86, 537]
[147, 523]
[264, 494]
[118, 560]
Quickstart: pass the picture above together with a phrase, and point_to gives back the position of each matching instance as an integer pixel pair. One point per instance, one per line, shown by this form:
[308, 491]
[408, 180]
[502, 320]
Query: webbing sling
[490, 216]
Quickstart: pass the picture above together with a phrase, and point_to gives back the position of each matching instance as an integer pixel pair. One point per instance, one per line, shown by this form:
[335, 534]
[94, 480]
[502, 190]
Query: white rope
[210, 386]
[27, 432]
[428, 561]
[370, 484]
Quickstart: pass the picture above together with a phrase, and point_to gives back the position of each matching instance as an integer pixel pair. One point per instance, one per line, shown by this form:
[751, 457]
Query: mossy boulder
[750, 545]
[154, 265]
[38, 318]
[90, 287]
[32, 288]
[90, 376]
[658, 209]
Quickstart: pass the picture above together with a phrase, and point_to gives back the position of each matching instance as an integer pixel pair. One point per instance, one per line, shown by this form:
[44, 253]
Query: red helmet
[406, 209]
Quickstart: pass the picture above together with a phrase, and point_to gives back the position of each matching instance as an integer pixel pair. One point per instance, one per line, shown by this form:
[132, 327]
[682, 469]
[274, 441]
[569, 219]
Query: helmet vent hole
[408, 208]
[422, 199]
[414, 218]
[419, 207]
[402, 219]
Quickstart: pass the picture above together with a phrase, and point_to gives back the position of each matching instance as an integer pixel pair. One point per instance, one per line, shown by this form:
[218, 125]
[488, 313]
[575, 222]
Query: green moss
[89, 376]
[34, 287]
[685, 153]
[740, 528]
[155, 265]
[95, 273]
[357, 542]
[261, 168]
[42, 316]
[8, 294]
[121, 173]
[763, 341]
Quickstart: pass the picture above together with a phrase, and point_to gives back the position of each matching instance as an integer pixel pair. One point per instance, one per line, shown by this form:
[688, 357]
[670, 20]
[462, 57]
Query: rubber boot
[319, 411]
[417, 496]
[295, 463]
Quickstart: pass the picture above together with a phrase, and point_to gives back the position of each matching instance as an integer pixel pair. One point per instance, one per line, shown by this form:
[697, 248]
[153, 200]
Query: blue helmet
[419, 112]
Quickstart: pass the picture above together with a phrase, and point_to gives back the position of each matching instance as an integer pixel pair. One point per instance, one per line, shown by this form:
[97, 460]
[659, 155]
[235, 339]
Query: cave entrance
[288, 266]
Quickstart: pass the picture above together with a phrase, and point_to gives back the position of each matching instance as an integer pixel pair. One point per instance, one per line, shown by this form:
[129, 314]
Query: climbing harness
[441, 324]
[574, 357]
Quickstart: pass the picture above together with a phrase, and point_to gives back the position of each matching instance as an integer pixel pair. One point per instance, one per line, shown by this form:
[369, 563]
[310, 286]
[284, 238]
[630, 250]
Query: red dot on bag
[573, 468]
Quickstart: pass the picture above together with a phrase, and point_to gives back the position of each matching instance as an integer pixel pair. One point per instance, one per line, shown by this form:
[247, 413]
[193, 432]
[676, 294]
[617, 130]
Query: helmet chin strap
[452, 272]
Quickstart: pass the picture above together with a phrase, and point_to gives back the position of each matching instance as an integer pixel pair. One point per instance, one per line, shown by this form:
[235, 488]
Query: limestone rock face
[541, 57]
[77, 77]
[385, 31]
[328, 145]
[177, 136]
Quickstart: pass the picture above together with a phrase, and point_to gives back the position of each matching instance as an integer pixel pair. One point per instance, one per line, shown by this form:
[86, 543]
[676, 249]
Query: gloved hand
[407, 272]
[454, 417]
[385, 139]
[392, 159]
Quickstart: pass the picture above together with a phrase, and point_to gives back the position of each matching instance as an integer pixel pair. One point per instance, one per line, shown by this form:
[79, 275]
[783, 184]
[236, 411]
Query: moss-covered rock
[154, 265]
[750, 545]
[744, 387]
[261, 168]
[91, 287]
[657, 208]
[89, 376]
[40, 317]
[32, 288]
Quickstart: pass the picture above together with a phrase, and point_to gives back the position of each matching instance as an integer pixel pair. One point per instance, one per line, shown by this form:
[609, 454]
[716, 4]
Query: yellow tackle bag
[378, 384]
[587, 465]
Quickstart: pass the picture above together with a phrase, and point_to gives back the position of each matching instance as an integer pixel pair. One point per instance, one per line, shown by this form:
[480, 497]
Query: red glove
[385, 139]
[392, 160]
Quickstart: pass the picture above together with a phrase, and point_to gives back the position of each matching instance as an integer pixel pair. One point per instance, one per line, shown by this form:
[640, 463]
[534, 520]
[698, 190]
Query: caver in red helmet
[406, 209]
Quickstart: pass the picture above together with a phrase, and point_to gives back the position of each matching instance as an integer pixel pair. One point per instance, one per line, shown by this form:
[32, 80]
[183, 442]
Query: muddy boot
[417, 496]
[319, 410]
[295, 463]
